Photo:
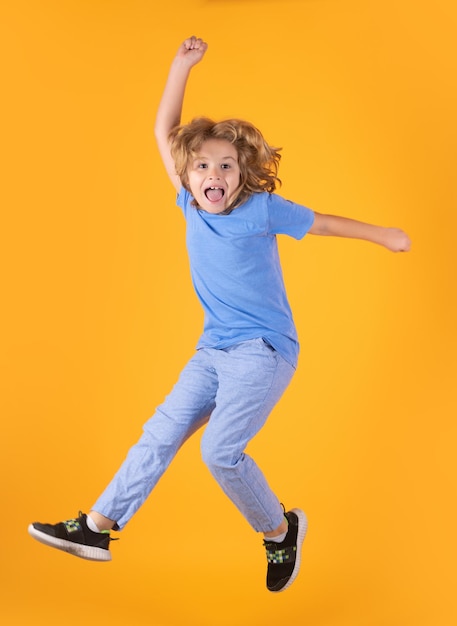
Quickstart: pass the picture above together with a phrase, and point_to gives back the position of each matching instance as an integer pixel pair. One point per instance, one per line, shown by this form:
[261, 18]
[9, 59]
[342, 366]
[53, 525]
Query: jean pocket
[268, 344]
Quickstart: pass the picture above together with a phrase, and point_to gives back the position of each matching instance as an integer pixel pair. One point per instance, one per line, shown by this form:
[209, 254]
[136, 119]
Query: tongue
[214, 195]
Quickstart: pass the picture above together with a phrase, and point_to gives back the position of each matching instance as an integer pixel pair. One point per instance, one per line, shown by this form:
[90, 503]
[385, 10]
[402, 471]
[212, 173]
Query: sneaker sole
[90, 553]
[301, 534]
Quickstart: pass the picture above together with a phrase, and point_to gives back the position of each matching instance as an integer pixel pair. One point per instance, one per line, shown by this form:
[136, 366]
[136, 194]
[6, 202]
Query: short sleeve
[183, 199]
[288, 218]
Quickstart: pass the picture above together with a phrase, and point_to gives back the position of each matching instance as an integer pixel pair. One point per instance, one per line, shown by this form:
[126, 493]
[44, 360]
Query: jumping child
[225, 175]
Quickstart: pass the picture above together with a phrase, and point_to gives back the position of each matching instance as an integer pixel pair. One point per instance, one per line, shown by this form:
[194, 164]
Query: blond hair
[258, 162]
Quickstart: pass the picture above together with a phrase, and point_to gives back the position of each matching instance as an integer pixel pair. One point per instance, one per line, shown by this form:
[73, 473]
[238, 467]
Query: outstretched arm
[394, 239]
[190, 52]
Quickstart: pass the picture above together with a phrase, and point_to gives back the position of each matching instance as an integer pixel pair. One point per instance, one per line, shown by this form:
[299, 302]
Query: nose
[212, 173]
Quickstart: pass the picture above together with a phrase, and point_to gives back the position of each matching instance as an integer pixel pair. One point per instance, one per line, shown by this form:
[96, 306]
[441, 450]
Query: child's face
[214, 175]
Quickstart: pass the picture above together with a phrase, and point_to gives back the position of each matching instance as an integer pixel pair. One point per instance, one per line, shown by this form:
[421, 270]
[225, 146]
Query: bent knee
[217, 457]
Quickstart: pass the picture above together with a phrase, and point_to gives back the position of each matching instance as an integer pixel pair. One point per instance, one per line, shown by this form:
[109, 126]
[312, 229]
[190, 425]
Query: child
[225, 175]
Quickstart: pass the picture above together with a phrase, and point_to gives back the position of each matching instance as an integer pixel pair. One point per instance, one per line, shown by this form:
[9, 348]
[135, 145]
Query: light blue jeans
[233, 390]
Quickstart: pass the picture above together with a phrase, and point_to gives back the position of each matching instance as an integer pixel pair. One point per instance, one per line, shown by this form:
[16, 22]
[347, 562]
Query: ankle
[100, 521]
[279, 531]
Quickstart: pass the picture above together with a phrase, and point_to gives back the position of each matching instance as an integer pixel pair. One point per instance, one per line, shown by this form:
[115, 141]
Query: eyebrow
[204, 158]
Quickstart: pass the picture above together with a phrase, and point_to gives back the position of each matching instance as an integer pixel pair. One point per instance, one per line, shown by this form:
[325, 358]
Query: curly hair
[258, 162]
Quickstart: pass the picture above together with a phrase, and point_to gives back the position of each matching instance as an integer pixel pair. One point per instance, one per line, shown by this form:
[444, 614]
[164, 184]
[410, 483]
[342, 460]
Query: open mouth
[214, 194]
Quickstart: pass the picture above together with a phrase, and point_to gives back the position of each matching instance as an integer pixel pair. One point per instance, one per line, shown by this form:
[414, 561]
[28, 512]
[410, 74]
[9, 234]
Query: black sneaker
[284, 558]
[75, 537]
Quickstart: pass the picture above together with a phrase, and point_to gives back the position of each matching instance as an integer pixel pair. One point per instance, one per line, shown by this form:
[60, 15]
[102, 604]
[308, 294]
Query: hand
[397, 240]
[192, 50]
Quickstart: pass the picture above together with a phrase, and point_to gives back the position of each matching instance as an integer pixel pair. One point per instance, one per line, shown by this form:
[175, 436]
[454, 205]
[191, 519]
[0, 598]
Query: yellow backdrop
[98, 314]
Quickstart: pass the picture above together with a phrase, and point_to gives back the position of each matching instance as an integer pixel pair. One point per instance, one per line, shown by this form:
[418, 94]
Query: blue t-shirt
[236, 270]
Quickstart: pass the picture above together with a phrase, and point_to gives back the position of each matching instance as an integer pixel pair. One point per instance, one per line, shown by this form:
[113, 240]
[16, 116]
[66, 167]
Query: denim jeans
[232, 390]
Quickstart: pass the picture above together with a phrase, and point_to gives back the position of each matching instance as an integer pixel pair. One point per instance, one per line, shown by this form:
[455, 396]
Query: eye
[202, 166]
[225, 166]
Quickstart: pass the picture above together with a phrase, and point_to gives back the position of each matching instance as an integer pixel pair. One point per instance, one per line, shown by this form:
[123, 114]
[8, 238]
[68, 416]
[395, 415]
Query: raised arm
[394, 239]
[190, 52]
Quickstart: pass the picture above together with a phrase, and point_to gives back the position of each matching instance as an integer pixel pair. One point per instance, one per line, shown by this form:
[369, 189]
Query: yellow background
[98, 314]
